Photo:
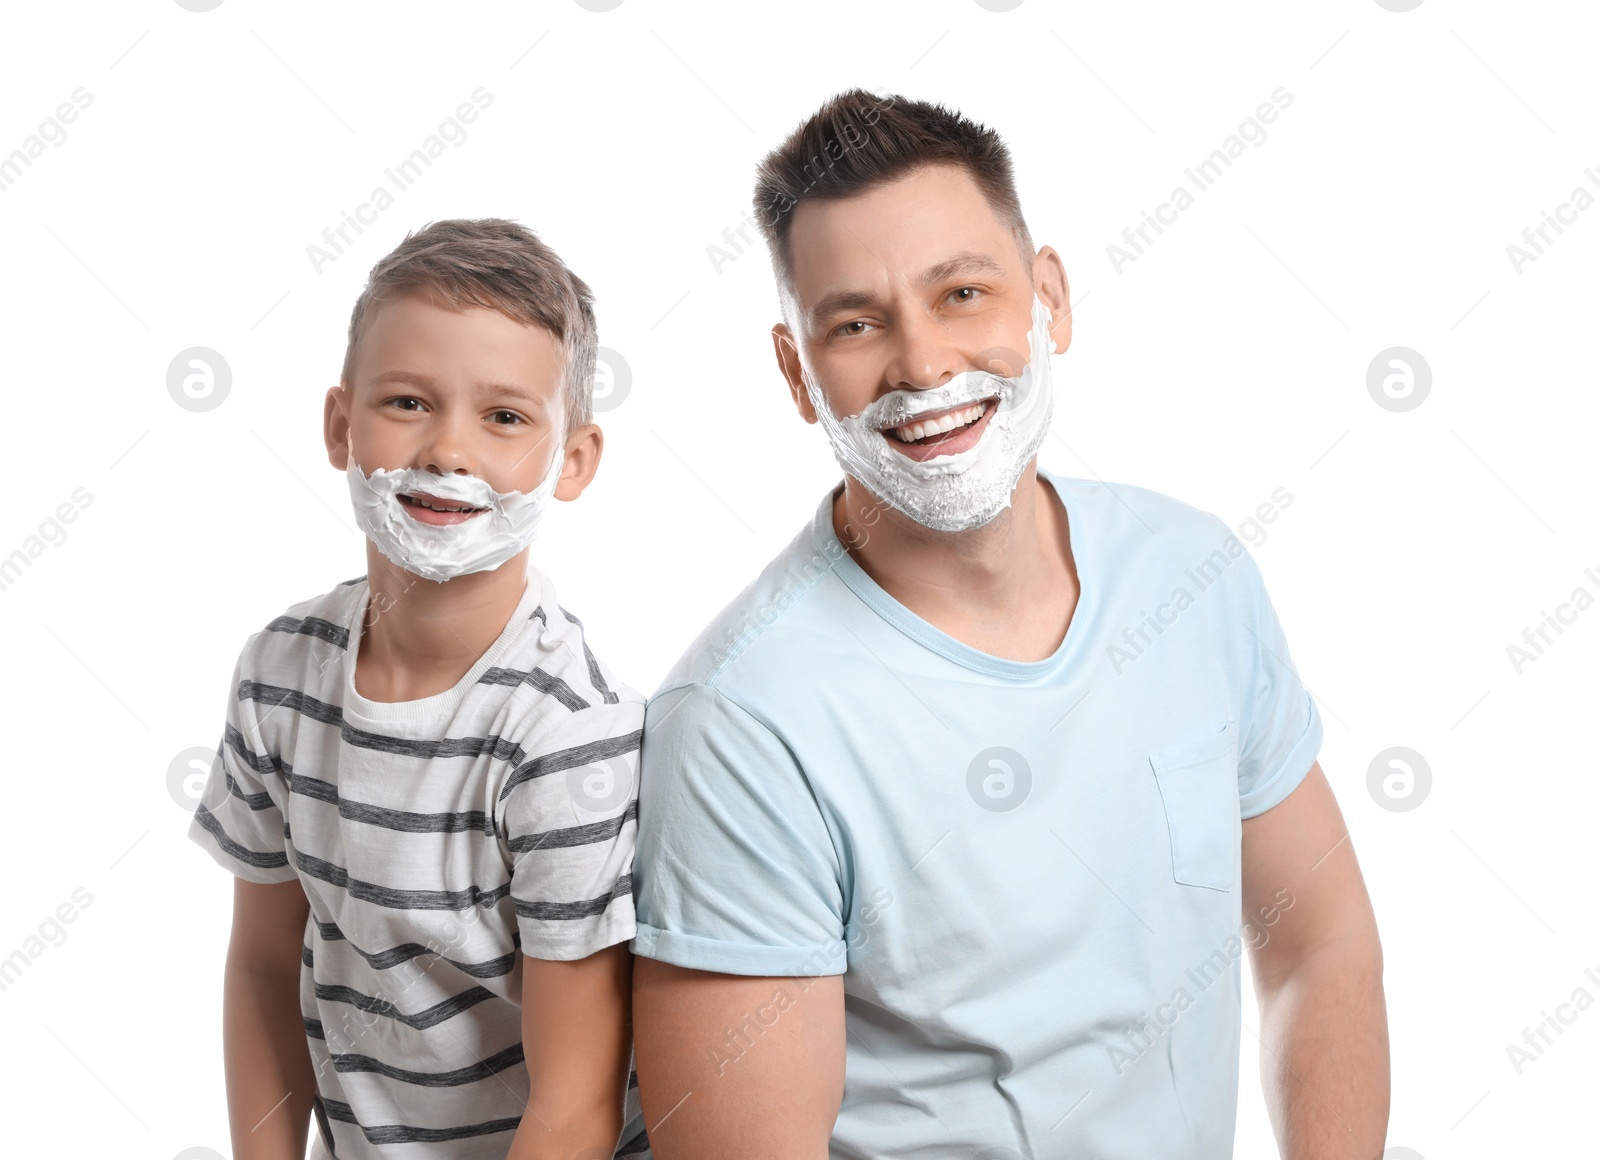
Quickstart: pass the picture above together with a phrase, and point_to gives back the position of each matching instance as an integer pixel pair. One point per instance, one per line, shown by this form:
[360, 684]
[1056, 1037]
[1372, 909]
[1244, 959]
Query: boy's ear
[788, 356]
[583, 460]
[336, 426]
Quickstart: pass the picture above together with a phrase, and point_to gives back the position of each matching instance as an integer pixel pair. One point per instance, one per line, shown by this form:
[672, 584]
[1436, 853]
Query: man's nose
[925, 354]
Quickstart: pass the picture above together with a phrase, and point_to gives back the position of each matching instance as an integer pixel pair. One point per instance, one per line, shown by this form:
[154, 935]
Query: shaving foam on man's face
[443, 526]
[949, 457]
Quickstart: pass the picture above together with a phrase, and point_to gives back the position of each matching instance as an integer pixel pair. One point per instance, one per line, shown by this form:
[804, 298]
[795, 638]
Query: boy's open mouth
[431, 509]
[947, 432]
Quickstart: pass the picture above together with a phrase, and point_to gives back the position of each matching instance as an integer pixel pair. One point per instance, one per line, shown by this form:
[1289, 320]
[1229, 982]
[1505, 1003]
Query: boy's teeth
[911, 432]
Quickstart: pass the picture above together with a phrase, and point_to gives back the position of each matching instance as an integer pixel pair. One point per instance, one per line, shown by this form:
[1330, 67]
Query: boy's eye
[404, 402]
[507, 418]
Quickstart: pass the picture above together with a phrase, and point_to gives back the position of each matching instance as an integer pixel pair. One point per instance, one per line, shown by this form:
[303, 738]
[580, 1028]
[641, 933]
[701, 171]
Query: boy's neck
[420, 637]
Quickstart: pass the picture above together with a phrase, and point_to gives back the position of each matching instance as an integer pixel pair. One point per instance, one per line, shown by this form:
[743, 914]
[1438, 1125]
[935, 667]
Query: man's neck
[1008, 588]
[419, 637]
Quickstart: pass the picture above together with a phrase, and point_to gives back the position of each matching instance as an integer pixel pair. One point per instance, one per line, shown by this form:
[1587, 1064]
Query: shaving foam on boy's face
[443, 526]
[979, 431]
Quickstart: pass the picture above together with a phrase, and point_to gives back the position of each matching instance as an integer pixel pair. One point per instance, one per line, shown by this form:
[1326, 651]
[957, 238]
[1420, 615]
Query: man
[954, 825]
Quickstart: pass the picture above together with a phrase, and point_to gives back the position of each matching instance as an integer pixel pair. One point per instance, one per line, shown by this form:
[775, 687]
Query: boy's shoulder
[326, 616]
[551, 696]
[320, 624]
[555, 655]
[540, 673]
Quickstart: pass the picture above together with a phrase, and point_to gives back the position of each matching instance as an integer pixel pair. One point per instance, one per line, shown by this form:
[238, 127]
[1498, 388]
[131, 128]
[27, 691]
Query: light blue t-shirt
[1028, 872]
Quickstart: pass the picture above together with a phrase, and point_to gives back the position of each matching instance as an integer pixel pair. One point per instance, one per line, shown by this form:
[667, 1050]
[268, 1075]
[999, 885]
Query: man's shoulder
[1138, 527]
[1149, 538]
[769, 624]
[1128, 509]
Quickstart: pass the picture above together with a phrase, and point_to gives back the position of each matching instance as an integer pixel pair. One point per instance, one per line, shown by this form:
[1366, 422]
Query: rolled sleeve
[736, 870]
[1282, 729]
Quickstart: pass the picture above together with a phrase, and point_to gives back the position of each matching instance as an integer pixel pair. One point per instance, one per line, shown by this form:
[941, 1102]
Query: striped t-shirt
[438, 841]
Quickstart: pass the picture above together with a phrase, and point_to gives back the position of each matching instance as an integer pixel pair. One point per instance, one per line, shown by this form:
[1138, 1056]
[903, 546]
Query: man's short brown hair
[500, 265]
[858, 140]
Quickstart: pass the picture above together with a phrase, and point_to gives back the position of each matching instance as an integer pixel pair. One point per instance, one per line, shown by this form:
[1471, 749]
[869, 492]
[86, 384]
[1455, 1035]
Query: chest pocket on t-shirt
[1198, 780]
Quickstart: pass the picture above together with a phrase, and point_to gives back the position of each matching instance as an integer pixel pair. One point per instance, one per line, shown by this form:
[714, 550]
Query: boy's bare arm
[576, 1036]
[270, 1076]
[732, 1066]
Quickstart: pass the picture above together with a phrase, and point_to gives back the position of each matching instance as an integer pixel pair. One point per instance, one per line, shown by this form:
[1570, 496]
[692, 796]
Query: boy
[427, 785]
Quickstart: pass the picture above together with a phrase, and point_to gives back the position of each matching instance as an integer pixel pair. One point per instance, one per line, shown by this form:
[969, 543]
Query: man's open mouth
[944, 432]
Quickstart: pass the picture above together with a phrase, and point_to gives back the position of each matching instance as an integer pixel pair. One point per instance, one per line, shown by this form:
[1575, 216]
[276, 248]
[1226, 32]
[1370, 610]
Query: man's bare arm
[1318, 969]
[575, 1037]
[270, 1076]
[733, 1066]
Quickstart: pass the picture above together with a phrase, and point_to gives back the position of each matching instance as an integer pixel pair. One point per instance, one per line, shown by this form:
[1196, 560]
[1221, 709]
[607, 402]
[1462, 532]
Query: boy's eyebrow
[413, 379]
[966, 262]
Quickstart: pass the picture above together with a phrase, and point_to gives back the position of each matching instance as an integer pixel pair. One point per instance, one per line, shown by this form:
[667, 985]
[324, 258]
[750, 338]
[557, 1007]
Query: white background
[1228, 360]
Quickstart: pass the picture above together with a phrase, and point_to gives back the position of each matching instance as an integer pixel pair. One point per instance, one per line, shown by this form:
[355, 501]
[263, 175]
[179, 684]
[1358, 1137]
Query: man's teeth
[911, 432]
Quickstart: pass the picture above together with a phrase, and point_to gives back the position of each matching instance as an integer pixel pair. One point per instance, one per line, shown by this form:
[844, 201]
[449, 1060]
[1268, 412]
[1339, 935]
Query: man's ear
[336, 426]
[1050, 284]
[582, 461]
[788, 355]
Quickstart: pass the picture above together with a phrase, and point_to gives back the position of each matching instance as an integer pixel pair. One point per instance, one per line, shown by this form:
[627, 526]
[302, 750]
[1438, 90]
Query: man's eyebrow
[964, 263]
[838, 303]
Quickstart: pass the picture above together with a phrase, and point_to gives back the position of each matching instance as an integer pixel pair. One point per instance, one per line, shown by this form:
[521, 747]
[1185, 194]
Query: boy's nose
[446, 452]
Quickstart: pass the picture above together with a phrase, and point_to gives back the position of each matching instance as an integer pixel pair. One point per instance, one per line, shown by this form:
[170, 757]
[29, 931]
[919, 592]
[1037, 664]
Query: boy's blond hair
[501, 265]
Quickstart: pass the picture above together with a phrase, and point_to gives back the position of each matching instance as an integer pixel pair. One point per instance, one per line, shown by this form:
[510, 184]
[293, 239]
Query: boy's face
[447, 391]
[906, 285]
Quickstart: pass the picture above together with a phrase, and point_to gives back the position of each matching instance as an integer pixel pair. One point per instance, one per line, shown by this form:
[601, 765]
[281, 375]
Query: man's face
[471, 392]
[903, 287]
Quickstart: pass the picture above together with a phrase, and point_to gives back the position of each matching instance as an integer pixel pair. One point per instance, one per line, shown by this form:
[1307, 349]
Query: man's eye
[845, 329]
[968, 290]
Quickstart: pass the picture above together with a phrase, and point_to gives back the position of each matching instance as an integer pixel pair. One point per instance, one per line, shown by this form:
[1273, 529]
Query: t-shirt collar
[826, 541]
